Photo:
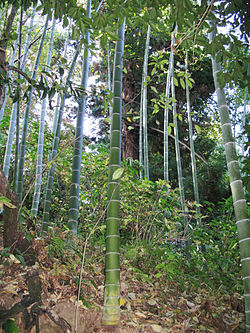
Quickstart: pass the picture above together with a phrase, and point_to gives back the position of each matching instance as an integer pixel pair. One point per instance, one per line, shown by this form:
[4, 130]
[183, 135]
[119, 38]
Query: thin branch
[182, 143]
[15, 69]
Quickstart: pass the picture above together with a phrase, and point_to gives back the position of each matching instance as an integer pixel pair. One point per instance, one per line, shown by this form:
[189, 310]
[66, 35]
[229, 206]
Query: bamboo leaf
[153, 71]
[118, 173]
[198, 129]
[169, 130]
[189, 83]
[182, 83]
[176, 82]
[154, 89]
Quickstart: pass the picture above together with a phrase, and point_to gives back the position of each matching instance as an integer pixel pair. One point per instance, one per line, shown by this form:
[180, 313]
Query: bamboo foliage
[167, 93]
[143, 135]
[193, 160]
[239, 201]
[10, 138]
[9, 75]
[77, 154]
[38, 181]
[111, 309]
[26, 118]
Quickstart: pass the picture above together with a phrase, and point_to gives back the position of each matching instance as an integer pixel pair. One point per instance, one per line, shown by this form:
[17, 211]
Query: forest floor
[147, 305]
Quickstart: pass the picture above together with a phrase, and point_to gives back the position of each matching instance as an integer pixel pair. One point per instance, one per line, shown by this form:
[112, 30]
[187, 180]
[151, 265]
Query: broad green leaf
[154, 89]
[176, 82]
[182, 83]
[169, 130]
[118, 173]
[189, 83]
[198, 129]
[153, 71]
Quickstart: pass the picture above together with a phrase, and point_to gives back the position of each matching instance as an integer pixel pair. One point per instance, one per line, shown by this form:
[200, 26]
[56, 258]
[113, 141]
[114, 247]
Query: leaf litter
[147, 305]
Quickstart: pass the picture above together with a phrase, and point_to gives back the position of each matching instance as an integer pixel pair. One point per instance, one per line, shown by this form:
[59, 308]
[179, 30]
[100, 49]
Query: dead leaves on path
[146, 307]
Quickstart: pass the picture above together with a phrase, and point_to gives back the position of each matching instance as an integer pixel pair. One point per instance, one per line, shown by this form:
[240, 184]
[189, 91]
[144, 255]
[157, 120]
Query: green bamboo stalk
[167, 93]
[244, 114]
[26, 118]
[143, 112]
[55, 118]
[25, 56]
[239, 201]
[38, 181]
[8, 150]
[178, 155]
[12, 59]
[28, 38]
[50, 180]
[18, 102]
[77, 154]
[141, 173]
[193, 160]
[109, 78]
[111, 309]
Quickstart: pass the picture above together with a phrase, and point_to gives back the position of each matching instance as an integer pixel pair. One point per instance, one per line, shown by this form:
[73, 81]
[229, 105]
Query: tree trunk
[10, 215]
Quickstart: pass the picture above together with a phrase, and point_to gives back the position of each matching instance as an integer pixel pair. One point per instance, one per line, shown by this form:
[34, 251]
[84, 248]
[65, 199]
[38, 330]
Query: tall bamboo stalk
[178, 156]
[109, 78]
[111, 309]
[28, 38]
[168, 85]
[143, 135]
[55, 118]
[244, 114]
[26, 118]
[12, 59]
[50, 180]
[193, 160]
[11, 133]
[239, 201]
[77, 154]
[38, 181]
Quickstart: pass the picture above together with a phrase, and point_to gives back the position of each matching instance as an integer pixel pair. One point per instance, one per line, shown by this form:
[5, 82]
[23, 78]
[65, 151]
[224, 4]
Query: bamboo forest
[124, 166]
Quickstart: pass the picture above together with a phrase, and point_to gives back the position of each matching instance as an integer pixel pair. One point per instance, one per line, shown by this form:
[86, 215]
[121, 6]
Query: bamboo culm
[178, 156]
[239, 201]
[9, 74]
[55, 118]
[167, 93]
[111, 309]
[143, 134]
[77, 154]
[144, 106]
[193, 160]
[26, 118]
[38, 180]
[11, 133]
[50, 178]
